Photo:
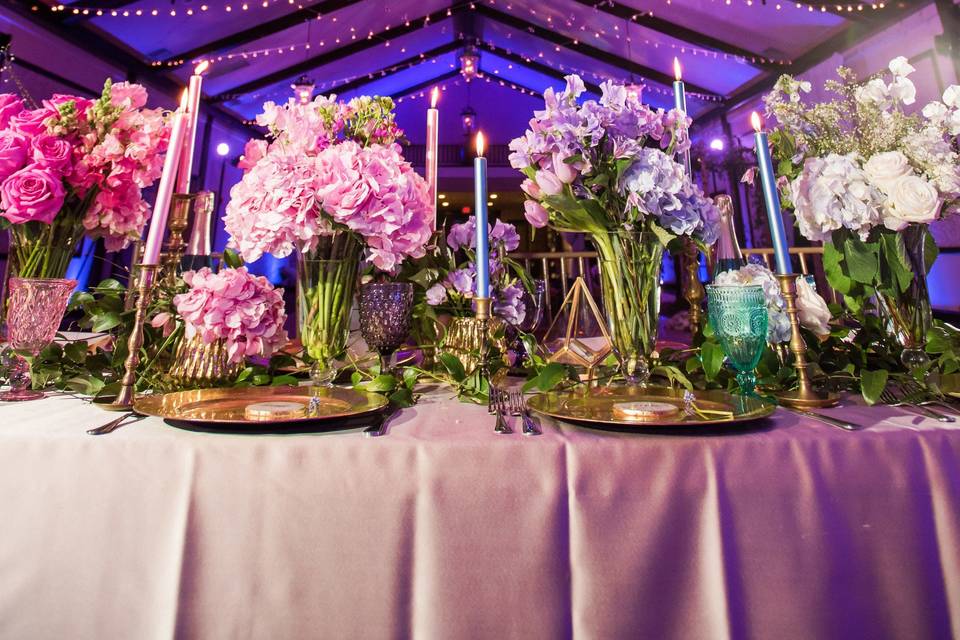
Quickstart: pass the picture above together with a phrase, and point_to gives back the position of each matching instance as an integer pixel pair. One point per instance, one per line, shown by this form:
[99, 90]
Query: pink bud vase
[36, 307]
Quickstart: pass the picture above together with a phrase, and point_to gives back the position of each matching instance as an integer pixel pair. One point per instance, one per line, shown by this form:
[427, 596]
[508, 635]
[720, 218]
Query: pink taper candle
[433, 125]
[193, 116]
[158, 223]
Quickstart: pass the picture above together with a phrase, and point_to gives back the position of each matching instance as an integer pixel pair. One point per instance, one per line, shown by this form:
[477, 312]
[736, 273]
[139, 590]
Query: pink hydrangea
[243, 310]
[252, 152]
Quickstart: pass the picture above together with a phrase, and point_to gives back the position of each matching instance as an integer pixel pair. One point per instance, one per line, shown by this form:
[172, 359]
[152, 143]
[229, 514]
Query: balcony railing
[456, 155]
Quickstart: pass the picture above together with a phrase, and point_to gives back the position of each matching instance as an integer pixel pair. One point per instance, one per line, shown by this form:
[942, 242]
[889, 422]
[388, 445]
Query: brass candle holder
[124, 400]
[693, 291]
[804, 396]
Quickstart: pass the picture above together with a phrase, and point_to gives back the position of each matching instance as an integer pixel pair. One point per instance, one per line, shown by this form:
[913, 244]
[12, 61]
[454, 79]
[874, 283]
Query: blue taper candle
[480, 206]
[680, 104]
[778, 234]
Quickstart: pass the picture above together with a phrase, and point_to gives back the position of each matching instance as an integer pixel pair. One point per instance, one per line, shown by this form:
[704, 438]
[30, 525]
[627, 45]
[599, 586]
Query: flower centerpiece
[331, 184]
[867, 179]
[607, 168]
[75, 165]
[227, 317]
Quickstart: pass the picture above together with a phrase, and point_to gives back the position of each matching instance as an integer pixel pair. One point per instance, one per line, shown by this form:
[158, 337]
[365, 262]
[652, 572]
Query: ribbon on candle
[161, 208]
[771, 197]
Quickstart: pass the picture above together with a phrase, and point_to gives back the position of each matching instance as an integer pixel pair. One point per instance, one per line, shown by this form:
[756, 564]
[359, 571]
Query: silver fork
[499, 407]
[888, 397]
[521, 409]
[912, 388]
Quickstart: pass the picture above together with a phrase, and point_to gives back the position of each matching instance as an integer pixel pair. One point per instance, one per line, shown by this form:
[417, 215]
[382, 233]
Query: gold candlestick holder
[124, 400]
[177, 223]
[693, 291]
[804, 396]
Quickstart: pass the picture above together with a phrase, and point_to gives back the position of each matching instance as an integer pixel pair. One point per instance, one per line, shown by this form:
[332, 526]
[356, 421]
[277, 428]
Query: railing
[455, 155]
[561, 268]
[811, 264]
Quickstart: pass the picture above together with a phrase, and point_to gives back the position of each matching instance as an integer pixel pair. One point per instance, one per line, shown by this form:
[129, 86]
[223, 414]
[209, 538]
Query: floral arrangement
[329, 166]
[453, 291]
[812, 309]
[75, 164]
[867, 177]
[589, 167]
[233, 305]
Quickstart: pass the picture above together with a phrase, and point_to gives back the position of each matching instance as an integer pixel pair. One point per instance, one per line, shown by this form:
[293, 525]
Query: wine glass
[34, 312]
[534, 301]
[386, 313]
[738, 315]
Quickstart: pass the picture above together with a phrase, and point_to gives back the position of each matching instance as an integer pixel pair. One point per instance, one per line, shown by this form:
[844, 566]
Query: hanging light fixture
[469, 62]
[468, 118]
[303, 89]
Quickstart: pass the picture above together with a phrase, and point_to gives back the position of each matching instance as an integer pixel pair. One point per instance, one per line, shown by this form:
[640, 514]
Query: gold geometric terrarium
[578, 335]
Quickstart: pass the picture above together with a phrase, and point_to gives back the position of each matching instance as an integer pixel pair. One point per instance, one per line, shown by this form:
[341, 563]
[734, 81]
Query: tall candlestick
[680, 104]
[433, 136]
[480, 205]
[161, 208]
[190, 136]
[778, 234]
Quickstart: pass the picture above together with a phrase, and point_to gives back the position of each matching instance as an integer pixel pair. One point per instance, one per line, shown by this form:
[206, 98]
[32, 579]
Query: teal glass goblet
[738, 316]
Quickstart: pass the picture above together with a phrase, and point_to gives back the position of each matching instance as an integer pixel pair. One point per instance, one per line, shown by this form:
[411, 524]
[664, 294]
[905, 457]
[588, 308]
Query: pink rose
[13, 153]
[31, 194]
[535, 214]
[52, 152]
[252, 153]
[10, 105]
[31, 123]
[125, 94]
[549, 183]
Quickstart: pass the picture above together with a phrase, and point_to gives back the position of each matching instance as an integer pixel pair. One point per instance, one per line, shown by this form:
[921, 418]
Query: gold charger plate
[227, 406]
[595, 406]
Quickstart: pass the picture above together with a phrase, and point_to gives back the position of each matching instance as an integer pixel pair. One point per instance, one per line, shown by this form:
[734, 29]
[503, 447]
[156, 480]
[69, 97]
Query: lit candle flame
[200, 68]
[480, 145]
[676, 70]
[434, 96]
[756, 122]
[183, 100]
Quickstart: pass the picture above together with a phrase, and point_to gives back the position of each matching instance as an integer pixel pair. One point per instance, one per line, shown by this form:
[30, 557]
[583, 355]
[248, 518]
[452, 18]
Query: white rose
[813, 311]
[911, 199]
[883, 169]
[951, 97]
[900, 67]
[935, 111]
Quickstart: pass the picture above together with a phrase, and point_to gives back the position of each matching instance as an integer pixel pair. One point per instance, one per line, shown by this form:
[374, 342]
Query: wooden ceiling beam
[678, 32]
[335, 55]
[582, 48]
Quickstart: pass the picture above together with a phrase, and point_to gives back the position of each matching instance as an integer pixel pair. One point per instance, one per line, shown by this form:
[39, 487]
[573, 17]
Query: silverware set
[835, 422]
[911, 398]
[127, 418]
[504, 402]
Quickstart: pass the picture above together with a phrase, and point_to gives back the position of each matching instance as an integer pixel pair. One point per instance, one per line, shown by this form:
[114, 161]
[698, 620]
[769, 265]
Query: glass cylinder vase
[630, 265]
[39, 250]
[326, 280]
[908, 315]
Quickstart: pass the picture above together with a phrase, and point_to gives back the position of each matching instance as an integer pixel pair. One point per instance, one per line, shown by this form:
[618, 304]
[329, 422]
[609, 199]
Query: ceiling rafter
[533, 65]
[420, 86]
[828, 6]
[677, 32]
[334, 55]
[585, 49]
[373, 76]
[263, 30]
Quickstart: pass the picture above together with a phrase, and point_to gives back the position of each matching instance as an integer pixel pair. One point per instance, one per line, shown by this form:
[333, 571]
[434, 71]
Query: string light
[168, 11]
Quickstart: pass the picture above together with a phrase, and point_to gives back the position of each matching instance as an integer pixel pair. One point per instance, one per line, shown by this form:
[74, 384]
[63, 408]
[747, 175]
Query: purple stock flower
[437, 294]
[509, 304]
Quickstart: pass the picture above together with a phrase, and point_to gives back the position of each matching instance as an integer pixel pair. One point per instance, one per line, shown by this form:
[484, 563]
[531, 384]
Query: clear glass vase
[630, 279]
[909, 315]
[35, 310]
[39, 250]
[326, 280]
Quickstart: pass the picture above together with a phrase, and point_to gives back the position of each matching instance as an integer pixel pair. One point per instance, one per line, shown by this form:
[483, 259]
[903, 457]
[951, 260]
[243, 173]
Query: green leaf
[105, 321]
[110, 285]
[872, 384]
[453, 366]
[833, 268]
[88, 386]
[712, 357]
[381, 384]
[863, 260]
[551, 375]
[899, 273]
[284, 380]
[261, 379]
[410, 376]
[232, 259]
[76, 351]
[930, 248]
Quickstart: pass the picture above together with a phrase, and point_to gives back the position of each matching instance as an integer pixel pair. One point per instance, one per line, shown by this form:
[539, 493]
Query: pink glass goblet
[34, 311]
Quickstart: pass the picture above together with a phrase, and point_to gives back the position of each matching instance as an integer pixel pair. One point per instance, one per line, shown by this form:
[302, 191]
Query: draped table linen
[442, 529]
